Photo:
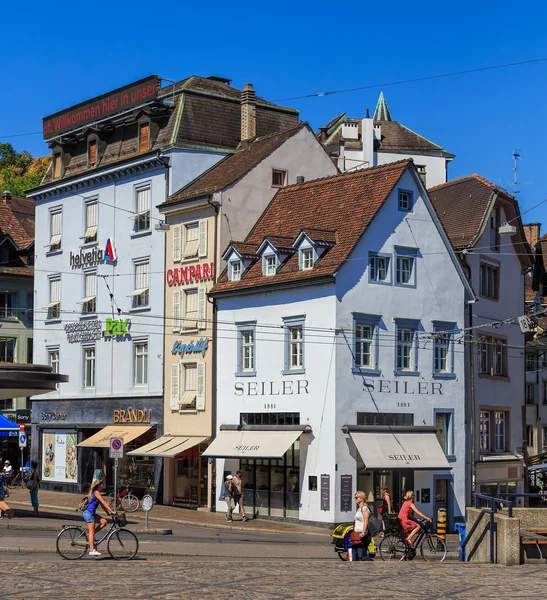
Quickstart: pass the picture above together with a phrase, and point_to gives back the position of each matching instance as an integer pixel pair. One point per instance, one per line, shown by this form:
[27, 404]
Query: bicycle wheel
[432, 548]
[72, 543]
[130, 503]
[392, 547]
[122, 544]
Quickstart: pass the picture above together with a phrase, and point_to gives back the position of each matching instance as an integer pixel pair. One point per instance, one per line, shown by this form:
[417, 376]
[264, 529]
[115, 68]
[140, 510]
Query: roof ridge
[270, 135]
[474, 176]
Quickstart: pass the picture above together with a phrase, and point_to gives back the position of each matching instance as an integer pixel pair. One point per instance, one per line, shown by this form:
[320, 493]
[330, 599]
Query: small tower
[382, 110]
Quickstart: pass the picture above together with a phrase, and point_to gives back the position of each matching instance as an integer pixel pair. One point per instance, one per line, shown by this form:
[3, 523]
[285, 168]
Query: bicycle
[72, 541]
[16, 479]
[395, 547]
[129, 501]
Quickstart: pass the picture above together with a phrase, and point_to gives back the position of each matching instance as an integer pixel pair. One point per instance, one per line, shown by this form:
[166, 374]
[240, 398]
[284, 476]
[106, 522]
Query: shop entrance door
[443, 499]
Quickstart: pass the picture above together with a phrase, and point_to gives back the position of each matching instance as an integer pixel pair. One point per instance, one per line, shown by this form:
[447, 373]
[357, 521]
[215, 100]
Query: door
[443, 499]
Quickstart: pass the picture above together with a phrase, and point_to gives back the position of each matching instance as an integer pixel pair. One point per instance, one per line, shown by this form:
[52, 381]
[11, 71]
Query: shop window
[7, 350]
[6, 404]
[140, 369]
[246, 356]
[379, 269]
[376, 418]
[8, 301]
[55, 229]
[144, 136]
[140, 295]
[89, 301]
[89, 367]
[489, 281]
[279, 178]
[492, 356]
[445, 433]
[91, 221]
[54, 305]
[269, 418]
[142, 202]
[294, 345]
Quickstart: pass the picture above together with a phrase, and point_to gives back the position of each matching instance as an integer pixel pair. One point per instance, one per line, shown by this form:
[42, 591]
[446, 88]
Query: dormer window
[57, 164]
[306, 259]
[92, 152]
[279, 178]
[270, 265]
[144, 136]
[235, 270]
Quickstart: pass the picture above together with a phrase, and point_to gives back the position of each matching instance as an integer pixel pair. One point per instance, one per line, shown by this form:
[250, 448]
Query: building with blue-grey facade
[100, 260]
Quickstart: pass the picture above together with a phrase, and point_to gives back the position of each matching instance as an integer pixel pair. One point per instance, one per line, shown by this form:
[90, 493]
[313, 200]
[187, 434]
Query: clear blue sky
[54, 56]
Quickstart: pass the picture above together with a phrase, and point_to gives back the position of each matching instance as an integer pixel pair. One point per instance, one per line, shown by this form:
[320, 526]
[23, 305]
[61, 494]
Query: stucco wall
[186, 165]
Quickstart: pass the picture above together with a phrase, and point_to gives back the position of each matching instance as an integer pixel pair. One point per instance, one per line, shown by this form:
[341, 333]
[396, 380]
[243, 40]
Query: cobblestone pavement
[36, 578]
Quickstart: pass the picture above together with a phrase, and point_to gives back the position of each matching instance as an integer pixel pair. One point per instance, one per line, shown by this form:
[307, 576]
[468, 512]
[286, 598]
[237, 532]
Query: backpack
[83, 504]
[374, 524]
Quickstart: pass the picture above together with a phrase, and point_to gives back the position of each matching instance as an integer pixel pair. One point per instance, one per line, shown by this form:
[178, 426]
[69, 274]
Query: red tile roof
[17, 223]
[346, 204]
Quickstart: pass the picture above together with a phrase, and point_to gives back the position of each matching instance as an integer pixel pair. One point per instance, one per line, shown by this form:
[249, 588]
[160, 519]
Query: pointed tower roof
[382, 110]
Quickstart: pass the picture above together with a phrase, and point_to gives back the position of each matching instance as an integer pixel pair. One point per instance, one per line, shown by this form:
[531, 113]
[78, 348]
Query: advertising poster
[59, 456]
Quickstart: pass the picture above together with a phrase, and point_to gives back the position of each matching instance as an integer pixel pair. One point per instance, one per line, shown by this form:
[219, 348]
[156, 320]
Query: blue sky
[56, 56]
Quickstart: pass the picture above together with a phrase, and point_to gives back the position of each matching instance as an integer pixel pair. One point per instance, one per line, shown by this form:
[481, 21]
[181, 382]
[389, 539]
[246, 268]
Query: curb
[65, 510]
[56, 528]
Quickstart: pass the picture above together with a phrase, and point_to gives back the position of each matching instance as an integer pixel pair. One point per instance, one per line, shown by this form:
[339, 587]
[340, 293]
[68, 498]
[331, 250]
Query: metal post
[146, 520]
[115, 483]
[22, 467]
[492, 512]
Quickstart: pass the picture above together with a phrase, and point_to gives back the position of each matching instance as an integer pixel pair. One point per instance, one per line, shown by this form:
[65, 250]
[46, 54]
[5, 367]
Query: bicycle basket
[120, 519]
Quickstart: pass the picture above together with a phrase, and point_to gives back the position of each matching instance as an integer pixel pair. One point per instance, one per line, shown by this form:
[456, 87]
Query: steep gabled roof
[233, 167]
[17, 229]
[346, 204]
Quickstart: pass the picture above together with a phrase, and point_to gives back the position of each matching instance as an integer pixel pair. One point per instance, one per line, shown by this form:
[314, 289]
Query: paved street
[37, 576]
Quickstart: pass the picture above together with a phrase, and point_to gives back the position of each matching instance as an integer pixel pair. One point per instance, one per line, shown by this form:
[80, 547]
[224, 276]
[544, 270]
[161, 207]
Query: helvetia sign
[93, 255]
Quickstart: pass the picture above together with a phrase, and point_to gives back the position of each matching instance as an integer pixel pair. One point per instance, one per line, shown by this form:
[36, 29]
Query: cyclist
[4, 508]
[406, 517]
[94, 522]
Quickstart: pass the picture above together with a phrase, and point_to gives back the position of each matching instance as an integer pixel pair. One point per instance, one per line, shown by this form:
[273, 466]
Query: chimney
[532, 232]
[300, 179]
[367, 140]
[6, 197]
[248, 113]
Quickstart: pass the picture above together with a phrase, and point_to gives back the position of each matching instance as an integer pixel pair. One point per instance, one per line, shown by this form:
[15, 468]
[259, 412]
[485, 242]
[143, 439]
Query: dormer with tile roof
[362, 143]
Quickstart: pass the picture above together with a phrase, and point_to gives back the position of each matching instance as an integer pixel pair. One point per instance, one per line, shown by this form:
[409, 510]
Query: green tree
[19, 171]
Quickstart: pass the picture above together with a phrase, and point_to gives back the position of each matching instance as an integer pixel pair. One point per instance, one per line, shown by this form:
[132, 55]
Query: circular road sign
[22, 439]
[116, 444]
[147, 503]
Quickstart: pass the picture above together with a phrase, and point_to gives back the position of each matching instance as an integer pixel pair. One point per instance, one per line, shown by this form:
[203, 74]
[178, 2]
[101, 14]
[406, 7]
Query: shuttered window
[176, 243]
[89, 302]
[174, 402]
[202, 307]
[190, 309]
[202, 252]
[189, 381]
[144, 137]
[55, 226]
[142, 218]
[56, 165]
[200, 392]
[54, 304]
[92, 152]
[140, 294]
[176, 311]
[191, 240]
[91, 217]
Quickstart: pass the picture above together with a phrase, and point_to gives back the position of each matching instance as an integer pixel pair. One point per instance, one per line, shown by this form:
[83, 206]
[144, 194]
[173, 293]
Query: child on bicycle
[94, 522]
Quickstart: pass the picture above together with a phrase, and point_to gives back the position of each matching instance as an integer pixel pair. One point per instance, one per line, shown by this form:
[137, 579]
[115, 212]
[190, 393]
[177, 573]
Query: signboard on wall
[325, 492]
[345, 493]
[59, 456]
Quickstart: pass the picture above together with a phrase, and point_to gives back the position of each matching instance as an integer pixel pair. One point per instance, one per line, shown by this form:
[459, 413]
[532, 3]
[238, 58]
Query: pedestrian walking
[386, 508]
[237, 486]
[8, 471]
[4, 508]
[94, 522]
[33, 484]
[360, 537]
[229, 497]
[406, 516]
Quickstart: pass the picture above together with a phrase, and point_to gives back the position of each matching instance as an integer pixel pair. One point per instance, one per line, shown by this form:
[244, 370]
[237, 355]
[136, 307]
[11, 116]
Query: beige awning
[400, 450]
[168, 446]
[127, 432]
[252, 444]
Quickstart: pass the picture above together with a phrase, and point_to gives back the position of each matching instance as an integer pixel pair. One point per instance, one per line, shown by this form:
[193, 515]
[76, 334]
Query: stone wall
[506, 542]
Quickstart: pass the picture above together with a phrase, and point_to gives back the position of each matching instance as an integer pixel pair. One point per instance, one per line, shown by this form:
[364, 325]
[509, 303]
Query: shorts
[34, 496]
[88, 516]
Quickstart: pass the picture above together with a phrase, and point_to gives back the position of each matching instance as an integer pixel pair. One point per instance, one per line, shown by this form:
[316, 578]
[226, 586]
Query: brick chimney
[248, 113]
[532, 232]
[6, 197]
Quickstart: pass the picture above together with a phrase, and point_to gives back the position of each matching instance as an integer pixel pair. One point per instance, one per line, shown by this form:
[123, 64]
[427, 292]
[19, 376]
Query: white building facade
[335, 381]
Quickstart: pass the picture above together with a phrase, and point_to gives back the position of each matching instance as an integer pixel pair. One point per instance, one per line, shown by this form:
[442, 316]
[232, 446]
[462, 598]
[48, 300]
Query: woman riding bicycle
[406, 517]
[94, 522]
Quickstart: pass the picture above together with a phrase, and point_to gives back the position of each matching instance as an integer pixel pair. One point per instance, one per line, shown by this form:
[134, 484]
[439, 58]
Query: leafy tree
[19, 171]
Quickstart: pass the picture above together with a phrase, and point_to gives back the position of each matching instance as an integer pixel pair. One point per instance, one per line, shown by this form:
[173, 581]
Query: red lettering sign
[190, 274]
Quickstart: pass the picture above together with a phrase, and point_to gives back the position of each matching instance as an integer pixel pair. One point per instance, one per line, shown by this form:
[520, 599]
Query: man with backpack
[237, 486]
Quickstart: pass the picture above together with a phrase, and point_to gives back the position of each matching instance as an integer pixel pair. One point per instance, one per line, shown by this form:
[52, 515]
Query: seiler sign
[120, 100]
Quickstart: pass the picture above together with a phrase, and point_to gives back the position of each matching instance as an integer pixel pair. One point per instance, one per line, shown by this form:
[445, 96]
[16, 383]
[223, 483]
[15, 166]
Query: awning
[7, 427]
[102, 438]
[400, 449]
[168, 446]
[252, 444]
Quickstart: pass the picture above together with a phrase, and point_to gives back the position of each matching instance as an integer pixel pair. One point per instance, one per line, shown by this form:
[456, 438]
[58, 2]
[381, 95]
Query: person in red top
[406, 517]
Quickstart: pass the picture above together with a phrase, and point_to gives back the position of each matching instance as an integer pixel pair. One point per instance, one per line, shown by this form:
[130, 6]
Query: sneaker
[245, 519]
[227, 517]
[229, 520]
[94, 553]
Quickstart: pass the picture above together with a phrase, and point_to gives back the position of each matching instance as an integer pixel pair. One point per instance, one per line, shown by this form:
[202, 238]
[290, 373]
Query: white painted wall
[186, 165]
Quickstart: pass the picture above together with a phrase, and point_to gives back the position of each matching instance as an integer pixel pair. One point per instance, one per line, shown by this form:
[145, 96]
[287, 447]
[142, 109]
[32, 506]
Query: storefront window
[137, 472]
[191, 484]
[385, 419]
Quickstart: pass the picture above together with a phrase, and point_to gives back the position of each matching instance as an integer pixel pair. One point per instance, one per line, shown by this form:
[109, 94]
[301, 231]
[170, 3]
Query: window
[495, 221]
[89, 302]
[189, 386]
[141, 363]
[270, 265]
[144, 137]
[53, 355]
[235, 270]
[7, 350]
[54, 305]
[364, 346]
[141, 294]
[7, 305]
[246, 350]
[191, 240]
[422, 173]
[492, 356]
[545, 392]
[55, 229]
[530, 393]
[57, 164]
[142, 218]
[489, 283]
[30, 351]
[379, 269]
[30, 309]
[405, 267]
[443, 349]
[544, 437]
[382, 418]
[406, 351]
[306, 259]
[484, 431]
[89, 366]
[530, 435]
[500, 431]
[269, 418]
[190, 303]
[91, 152]
[530, 361]
[91, 221]
[279, 178]
[6, 404]
[294, 345]
[405, 200]
[443, 423]
[296, 354]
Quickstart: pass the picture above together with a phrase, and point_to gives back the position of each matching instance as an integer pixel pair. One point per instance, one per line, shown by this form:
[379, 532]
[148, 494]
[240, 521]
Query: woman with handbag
[360, 536]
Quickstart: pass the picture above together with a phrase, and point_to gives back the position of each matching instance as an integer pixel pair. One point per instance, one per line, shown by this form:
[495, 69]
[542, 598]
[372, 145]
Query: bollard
[441, 523]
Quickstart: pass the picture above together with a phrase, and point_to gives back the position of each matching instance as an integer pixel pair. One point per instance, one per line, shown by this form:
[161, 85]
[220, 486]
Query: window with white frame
[306, 259]
[55, 229]
[189, 380]
[364, 334]
[443, 349]
[405, 268]
[405, 200]
[443, 423]
[530, 393]
[89, 301]
[279, 178]
[142, 218]
[191, 239]
[489, 281]
[235, 270]
[246, 350]
[530, 435]
[379, 269]
[406, 359]
[140, 370]
[484, 431]
[54, 304]
[89, 366]
[296, 347]
[270, 265]
[91, 221]
[7, 349]
[141, 293]
[190, 304]
[53, 359]
[8, 301]
[492, 356]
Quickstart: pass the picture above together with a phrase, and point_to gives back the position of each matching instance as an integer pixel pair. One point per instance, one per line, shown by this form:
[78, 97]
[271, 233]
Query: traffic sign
[147, 503]
[116, 447]
[22, 440]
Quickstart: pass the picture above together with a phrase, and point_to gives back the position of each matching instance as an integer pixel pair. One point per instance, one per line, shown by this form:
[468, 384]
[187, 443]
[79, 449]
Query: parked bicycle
[126, 498]
[431, 546]
[17, 480]
[72, 542]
